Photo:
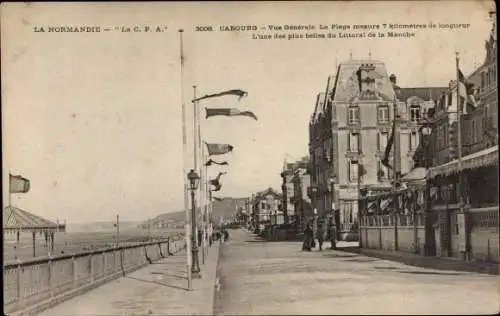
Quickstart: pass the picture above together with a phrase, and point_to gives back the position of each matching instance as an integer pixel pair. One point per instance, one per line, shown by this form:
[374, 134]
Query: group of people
[221, 235]
[309, 240]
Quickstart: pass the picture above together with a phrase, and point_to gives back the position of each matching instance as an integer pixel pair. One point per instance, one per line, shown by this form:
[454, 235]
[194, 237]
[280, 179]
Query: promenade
[159, 288]
[271, 278]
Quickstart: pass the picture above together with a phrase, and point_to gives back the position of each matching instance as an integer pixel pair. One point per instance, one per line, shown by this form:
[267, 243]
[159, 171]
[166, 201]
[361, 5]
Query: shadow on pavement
[386, 268]
[160, 283]
[362, 260]
[430, 272]
[337, 255]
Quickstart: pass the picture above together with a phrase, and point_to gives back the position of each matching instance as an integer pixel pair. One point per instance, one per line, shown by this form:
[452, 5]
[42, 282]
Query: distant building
[350, 130]
[266, 207]
[287, 188]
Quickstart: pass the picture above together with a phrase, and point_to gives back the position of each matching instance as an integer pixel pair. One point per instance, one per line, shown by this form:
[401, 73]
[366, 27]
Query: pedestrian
[308, 239]
[319, 235]
[226, 235]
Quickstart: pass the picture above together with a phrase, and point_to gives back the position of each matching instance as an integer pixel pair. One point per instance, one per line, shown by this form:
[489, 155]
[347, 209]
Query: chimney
[393, 79]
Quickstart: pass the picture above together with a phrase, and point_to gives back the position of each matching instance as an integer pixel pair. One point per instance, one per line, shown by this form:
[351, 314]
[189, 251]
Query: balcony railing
[30, 282]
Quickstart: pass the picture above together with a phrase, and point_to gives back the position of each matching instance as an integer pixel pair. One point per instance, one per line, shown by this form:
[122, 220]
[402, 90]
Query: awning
[15, 219]
[483, 158]
[417, 175]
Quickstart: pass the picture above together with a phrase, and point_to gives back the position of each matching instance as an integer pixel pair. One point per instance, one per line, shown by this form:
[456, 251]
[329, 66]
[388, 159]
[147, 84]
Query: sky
[94, 119]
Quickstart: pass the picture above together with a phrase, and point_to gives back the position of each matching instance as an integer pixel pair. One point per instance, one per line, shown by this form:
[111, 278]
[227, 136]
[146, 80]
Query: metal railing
[29, 282]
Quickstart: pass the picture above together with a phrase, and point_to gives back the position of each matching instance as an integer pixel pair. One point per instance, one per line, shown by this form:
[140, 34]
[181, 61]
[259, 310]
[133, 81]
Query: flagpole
[10, 193]
[196, 158]
[185, 167]
[397, 169]
[202, 182]
[459, 147]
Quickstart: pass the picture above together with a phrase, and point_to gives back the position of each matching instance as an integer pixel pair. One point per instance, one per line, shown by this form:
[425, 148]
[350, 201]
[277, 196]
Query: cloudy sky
[94, 119]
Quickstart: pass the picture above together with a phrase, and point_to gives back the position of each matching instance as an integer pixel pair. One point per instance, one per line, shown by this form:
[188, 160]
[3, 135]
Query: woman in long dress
[308, 239]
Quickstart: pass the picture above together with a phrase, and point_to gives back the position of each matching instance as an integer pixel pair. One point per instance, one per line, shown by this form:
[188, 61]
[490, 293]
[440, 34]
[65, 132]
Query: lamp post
[333, 228]
[194, 178]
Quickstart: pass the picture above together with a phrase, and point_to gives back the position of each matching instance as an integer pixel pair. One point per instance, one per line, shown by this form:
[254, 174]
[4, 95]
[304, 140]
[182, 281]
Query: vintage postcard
[253, 157]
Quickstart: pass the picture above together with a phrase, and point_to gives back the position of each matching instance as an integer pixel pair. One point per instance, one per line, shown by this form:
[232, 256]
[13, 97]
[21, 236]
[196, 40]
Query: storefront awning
[483, 158]
[416, 176]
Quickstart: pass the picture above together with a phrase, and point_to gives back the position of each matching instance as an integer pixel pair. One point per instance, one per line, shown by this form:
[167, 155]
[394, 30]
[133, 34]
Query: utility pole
[149, 229]
[459, 161]
[117, 230]
[397, 167]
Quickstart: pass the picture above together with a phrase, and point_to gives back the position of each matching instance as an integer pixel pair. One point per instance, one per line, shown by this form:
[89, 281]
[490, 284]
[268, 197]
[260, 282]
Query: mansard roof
[353, 74]
[424, 93]
[318, 108]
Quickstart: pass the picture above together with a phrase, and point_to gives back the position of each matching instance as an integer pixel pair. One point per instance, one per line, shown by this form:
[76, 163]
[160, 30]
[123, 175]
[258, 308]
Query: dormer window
[414, 113]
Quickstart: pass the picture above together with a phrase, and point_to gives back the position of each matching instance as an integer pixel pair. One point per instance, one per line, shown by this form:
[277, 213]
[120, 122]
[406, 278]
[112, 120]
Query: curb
[430, 262]
[217, 284]
[213, 288]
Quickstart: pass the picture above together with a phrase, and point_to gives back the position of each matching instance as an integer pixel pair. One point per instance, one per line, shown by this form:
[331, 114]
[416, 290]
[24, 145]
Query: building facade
[350, 130]
[266, 208]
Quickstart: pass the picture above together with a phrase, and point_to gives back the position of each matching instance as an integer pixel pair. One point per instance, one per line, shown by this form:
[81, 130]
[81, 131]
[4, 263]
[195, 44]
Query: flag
[216, 182]
[229, 112]
[466, 89]
[237, 92]
[18, 184]
[388, 148]
[361, 170]
[218, 149]
[210, 162]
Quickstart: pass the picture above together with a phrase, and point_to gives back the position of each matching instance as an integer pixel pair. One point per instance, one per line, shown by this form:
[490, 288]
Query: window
[382, 140]
[263, 206]
[383, 114]
[415, 113]
[353, 115]
[413, 141]
[482, 80]
[450, 97]
[353, 170]
[353, 142]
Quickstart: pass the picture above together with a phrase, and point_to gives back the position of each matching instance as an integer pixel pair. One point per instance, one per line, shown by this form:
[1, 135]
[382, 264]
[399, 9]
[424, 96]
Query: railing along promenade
[49, 280]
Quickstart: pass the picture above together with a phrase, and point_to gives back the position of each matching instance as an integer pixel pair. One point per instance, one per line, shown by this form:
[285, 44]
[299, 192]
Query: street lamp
[194, 179]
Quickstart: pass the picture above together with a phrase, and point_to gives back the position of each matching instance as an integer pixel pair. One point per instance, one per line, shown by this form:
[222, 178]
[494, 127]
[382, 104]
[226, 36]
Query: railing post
[73, 267]
[91, 269]
[49, 265]
[18, 279]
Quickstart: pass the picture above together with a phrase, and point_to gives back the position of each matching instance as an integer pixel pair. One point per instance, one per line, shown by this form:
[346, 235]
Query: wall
[32, 282]
[379, 233]
[485, 244]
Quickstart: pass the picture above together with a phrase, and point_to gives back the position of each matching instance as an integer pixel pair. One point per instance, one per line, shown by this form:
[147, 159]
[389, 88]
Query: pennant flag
[218, 149]
[237, 92]
[18, 184]
[466, 89]
[388, 148]
[361, 170]
[210, 162]
[217, 187]
[229, 112]
[216, 182]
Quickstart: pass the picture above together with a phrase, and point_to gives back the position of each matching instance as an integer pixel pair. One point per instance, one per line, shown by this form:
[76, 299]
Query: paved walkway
[271, 278]
[157, 289]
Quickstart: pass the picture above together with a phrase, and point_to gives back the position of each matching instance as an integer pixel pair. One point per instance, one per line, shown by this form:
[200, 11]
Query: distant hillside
[99, 226]
[227, 207]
